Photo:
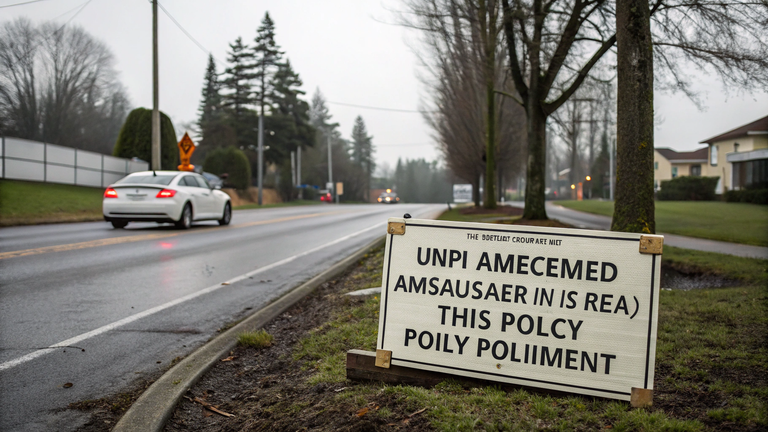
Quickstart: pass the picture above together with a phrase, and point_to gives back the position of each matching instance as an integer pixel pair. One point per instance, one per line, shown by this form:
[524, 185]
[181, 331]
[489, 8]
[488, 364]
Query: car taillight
[166, 193]
[110, 193]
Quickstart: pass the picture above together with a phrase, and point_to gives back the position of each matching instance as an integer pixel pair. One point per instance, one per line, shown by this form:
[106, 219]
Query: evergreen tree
[210, 106]
[290, 114]
[362, 152]
[238, 96]
[267, 57]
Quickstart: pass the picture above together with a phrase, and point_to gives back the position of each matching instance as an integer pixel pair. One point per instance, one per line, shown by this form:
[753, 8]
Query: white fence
[36, 161]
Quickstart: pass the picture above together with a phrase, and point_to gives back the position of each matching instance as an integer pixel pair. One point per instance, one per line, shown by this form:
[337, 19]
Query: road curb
[155, 406]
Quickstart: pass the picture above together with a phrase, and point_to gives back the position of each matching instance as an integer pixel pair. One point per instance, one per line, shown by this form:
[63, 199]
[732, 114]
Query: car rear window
[147, 179]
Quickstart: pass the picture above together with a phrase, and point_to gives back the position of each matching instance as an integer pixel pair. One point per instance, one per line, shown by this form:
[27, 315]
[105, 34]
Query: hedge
[232, 161]
[754, 196]
[688, 188]
[135, 139]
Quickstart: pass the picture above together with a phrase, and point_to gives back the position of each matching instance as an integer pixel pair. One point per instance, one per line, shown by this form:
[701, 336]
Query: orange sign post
[186, 148]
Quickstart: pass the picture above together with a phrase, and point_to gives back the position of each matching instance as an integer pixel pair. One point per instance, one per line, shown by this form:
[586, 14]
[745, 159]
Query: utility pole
[155, 90]
[330, 165]
[261, 152]
[298, 172]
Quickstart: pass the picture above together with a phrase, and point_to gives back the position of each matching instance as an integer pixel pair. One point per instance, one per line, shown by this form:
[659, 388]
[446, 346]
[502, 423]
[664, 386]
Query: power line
[377, 108]
[69, 11]
[75, 15]
[21, 4]
[199, 45]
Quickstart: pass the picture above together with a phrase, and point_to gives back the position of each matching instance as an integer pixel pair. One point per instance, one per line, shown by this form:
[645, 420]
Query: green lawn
[29, 203]
[731, 222]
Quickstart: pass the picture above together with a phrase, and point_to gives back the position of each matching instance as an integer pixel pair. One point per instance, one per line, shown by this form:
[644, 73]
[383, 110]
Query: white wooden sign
[560, 309]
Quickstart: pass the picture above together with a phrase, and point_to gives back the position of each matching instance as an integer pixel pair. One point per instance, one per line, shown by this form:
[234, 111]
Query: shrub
[754, 196]
[688, 189]
[232, 161]
[135, 139]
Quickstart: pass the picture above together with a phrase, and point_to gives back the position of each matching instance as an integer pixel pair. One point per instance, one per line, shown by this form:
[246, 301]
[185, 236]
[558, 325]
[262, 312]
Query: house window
[695, 170]
[735, 147]
[713, 155]
[674, 172]
[655, 165]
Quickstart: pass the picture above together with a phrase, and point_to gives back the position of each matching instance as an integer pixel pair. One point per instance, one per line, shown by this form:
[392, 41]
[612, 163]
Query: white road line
[101, 330]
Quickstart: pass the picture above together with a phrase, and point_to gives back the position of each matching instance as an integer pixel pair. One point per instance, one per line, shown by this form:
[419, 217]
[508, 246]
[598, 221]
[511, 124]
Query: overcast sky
[343, 47]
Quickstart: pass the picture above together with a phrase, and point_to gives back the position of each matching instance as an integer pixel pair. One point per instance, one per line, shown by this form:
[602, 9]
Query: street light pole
[261, 155]
[155, 98]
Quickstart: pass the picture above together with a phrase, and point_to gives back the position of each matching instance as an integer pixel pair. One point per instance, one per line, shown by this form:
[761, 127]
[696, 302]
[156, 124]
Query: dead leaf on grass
[340, 389]
[230, 358]
[362, 412]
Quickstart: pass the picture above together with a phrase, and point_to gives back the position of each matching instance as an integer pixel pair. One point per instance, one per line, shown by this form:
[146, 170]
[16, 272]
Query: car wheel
[119, 224]
[185, 221]
[226, 217]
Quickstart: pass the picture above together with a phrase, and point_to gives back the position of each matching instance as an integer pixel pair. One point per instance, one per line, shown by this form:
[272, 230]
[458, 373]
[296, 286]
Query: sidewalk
[599, 222]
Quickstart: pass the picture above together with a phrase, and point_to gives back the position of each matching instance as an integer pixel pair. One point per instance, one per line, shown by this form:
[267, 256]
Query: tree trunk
[536, 181]
[490, 146]
[488, 36]
[634, 206]
[476, 192]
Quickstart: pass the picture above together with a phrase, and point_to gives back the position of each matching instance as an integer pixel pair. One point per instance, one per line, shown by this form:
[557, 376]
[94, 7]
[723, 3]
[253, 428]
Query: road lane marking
[135, 238]
[101, 330]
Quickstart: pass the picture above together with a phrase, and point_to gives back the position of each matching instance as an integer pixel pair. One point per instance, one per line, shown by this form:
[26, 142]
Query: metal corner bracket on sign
[383, 358]
[396, 228]
[651, 244]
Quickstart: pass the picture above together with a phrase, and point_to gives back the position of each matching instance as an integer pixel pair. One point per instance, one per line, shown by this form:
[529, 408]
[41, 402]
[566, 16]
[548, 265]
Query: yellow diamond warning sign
[186, 148]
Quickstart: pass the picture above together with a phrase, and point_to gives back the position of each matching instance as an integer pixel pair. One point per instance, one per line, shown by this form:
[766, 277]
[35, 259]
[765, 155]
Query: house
[739, 157]
[669, 164]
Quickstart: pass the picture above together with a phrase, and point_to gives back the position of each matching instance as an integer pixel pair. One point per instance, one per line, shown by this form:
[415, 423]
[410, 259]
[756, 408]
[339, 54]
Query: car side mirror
[217, 187]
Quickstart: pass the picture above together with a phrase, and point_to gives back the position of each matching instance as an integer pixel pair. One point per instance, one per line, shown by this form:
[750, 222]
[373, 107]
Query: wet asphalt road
[122, 304]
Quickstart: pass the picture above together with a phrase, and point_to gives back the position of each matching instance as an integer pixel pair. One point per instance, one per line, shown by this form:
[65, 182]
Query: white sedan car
[165, 196]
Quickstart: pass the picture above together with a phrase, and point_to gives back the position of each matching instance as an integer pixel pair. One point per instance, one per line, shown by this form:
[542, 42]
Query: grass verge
[285, 204]
[711, 367]
[30, 203]
[731, 222]
[711, 374]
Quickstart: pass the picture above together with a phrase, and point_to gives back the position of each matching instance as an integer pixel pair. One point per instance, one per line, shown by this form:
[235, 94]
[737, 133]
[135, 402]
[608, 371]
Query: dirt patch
[675, 278]
[500, 210]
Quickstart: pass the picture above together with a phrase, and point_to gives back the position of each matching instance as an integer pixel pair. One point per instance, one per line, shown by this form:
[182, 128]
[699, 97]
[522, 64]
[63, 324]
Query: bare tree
[58, 84]
[477, 130]
[18, 87]
[555, 45]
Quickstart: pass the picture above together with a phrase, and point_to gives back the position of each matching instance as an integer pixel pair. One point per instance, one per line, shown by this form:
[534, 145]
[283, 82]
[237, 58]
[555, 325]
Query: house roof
[759, 126]
[699, 155]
